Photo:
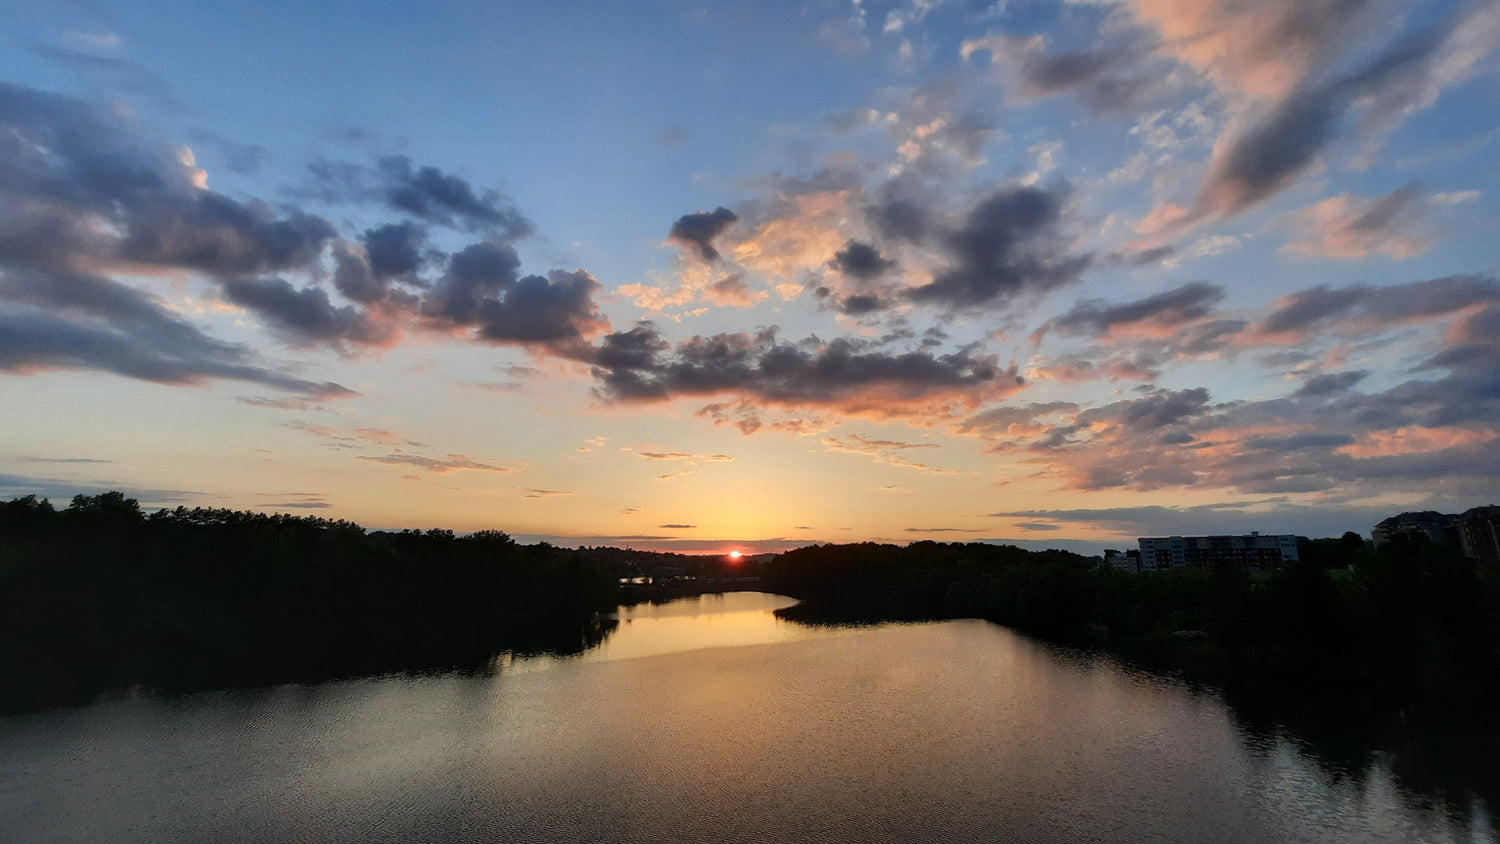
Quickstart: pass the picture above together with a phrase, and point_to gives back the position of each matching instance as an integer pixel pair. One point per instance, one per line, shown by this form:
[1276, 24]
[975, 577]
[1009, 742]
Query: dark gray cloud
[1276, 151]
[855, 304]
[208, 231]
[354, 279]
[425, 192]
[1297, 442]
[1156, 410]
[1273, 154]
[1206, 338]
[899, 218]
[1009, 244]
[430, 194]
[1323, 437]
[1369, 307]
[87, 296]
[306, 315]
[85, 187]
[82, 185]
[1095, 363]
[476, 274]
[1331, 383]
[481, 291]
[1173, 307]
[37, 341]
[861, 266]
[1326, 436]
[1104, 78]
[552, 309]
[1126, 419]
[396, 249]
[1000, 420]
[636, 349]
[696, 232]
[1049, 73]
[63, 319]
[861, 262]
[861, 303]
[639, 366]
[1137, 339]
[1473, 343]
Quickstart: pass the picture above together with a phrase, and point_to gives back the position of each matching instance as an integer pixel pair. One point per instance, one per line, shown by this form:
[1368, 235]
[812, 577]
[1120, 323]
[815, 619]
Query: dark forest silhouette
[1407, 621]
[100, 595]
[1395, 663]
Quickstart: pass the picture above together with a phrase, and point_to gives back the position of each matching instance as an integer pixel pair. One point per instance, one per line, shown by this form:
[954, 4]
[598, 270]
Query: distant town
[1474, 534]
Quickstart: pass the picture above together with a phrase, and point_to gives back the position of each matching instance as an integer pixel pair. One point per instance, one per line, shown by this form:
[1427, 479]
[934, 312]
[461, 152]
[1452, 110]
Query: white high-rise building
[1252, 551]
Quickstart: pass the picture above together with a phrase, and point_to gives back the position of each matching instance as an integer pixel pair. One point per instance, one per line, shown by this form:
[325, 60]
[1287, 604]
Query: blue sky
[694, 275]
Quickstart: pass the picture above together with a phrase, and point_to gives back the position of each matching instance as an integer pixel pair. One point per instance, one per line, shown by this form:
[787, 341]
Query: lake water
[708, 719]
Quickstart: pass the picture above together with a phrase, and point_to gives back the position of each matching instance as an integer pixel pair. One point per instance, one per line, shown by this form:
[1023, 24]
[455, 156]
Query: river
[709, 719]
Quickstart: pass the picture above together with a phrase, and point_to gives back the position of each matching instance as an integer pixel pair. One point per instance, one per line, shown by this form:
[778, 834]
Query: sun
[735, 555]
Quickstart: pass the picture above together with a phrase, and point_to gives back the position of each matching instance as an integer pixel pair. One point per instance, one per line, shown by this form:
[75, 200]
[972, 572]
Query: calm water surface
[706, 719]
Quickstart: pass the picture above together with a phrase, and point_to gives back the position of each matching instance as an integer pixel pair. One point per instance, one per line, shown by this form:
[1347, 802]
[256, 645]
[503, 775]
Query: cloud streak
[639, 366]
[441, 465]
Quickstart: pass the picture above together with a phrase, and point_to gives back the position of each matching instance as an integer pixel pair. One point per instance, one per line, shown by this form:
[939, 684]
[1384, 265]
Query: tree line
[1408, 620]
[100, 595]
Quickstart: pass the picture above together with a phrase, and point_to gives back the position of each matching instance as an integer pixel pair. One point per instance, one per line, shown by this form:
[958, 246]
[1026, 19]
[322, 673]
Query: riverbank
[1411, 625]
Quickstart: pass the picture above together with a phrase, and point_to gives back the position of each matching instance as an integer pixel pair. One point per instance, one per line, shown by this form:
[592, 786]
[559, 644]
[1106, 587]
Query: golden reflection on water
[736, 726]
[723, 620]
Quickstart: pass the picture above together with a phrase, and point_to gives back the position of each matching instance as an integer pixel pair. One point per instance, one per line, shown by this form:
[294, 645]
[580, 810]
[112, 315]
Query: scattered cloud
[696, 232]
[372, 436]
[442, 465]
[92, 194]
[847, 374]
[1010, 244]
[294, 501]
[1153, 315]
[423, 192]
[890, 452]
[679, 455]
[1106, 78]
[1347, 228]
[1264, 156]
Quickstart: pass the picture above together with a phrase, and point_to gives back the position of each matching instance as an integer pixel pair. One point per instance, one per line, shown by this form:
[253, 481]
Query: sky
[705, 276]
